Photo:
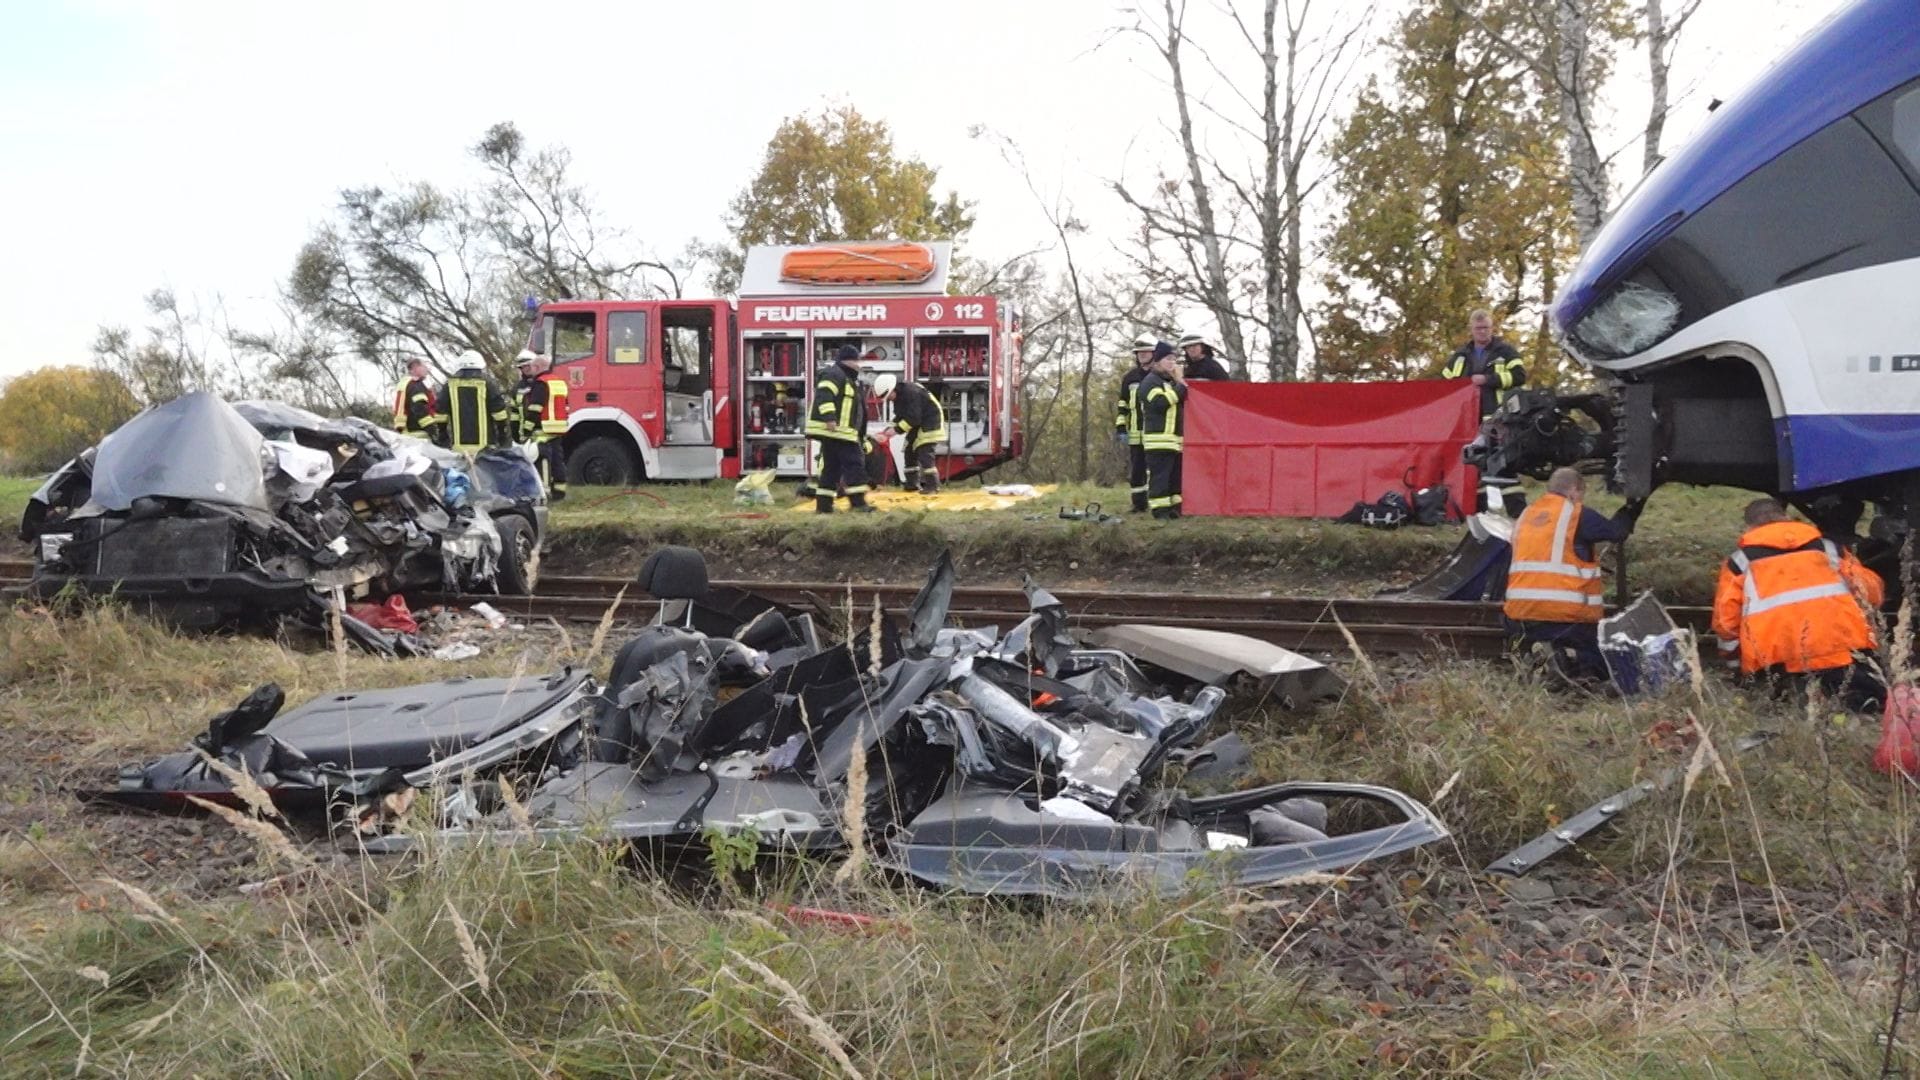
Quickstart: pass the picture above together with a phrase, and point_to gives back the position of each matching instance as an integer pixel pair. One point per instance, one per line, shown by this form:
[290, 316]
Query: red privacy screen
[1315, 449]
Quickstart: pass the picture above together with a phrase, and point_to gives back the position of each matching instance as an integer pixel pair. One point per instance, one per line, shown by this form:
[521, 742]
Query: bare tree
[170, 361]
[1662, 37]
[421, 271]
[1302, 68]
[1059, 215]
[1575, 79]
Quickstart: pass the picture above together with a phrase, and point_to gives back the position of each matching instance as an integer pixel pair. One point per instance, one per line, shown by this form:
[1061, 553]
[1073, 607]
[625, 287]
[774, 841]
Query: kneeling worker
[1162, 394]
[1554, 587]
[918, 416]
[838, 423]
[1790, 602]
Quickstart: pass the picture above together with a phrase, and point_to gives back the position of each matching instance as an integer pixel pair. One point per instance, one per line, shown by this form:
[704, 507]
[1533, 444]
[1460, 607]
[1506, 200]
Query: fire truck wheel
[519, 569]
[601, 462]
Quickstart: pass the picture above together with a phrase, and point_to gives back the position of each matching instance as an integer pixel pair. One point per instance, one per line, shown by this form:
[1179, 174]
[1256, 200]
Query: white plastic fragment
[1073, 810]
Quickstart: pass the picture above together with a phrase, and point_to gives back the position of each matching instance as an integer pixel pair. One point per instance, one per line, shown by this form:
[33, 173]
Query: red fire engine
[699, 389]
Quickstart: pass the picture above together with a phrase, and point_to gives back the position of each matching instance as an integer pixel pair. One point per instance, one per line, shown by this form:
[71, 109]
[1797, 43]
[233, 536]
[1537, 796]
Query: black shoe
[823, 504]
[557, 495]
[1164, 514]
[863, 508]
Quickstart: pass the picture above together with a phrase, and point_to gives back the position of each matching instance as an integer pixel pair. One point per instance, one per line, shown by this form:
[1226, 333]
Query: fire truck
[705, 389]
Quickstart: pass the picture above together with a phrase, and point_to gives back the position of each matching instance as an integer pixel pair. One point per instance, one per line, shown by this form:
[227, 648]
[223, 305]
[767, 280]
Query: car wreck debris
[1020, 763]
[1528, 856]
[214, 512]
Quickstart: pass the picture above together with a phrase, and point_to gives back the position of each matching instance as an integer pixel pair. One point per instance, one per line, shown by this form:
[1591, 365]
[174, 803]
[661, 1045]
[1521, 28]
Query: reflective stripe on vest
[1561, 587]
[467, 414]
[938, 432]
[1167, 436]
[554, 421]
[838, 411]
[1755, 604]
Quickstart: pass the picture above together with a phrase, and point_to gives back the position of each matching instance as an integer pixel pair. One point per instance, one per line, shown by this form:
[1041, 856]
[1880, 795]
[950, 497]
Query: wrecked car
[1015, 763]
[214, 511]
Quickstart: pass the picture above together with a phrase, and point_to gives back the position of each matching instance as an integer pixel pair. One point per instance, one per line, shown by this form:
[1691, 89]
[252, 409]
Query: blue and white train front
[1756, 302]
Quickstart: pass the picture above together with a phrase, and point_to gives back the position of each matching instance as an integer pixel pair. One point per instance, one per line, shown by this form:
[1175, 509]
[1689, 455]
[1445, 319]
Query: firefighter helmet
[884, 384]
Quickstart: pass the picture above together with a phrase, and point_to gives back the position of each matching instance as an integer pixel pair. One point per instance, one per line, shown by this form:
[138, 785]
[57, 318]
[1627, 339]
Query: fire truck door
[687, 373]
[630, 379]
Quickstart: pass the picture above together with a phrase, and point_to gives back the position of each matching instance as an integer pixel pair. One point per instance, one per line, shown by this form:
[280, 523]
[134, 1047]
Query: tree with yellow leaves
[836, 176]
[50, 414]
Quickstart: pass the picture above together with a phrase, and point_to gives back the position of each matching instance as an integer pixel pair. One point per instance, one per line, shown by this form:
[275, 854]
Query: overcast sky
[195, 145]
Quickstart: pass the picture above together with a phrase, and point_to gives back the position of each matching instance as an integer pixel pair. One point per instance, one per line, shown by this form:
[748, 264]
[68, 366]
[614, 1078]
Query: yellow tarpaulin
[955, 499]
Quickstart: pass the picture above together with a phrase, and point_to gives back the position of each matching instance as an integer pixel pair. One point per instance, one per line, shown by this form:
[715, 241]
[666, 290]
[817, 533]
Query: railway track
[1304, 624]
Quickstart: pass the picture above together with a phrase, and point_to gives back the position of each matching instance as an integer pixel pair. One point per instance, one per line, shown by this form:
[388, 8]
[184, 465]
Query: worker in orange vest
[1554, 587]
[1793, 603]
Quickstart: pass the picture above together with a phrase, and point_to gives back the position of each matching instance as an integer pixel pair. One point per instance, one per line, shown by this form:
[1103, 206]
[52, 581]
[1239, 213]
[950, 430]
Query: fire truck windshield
[570, 334]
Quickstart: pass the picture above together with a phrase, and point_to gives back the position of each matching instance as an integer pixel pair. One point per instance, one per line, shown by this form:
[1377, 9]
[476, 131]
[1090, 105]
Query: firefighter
[922, 422]
[543, 419]
[1126, 417]
[1492, 364]
[1554, 587]
[473, 408]
[1201, 361]
[1790, 603]
[413, 405]
[1163, 393]
[838, 423]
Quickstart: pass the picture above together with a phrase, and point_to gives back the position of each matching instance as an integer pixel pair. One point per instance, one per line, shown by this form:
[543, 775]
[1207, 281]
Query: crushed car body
[214, 510]
[1020, 763]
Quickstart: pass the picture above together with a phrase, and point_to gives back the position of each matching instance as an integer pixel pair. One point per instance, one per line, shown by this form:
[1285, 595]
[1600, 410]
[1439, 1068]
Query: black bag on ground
[1432, 505]
[1390, 512]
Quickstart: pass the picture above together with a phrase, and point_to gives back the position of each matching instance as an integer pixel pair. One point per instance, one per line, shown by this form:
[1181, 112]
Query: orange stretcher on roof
[858, 264]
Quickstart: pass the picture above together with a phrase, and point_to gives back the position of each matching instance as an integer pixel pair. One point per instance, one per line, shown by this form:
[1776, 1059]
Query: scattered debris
[1016, 763]
[1528, 856]
[1219, 659]
[1646, 653]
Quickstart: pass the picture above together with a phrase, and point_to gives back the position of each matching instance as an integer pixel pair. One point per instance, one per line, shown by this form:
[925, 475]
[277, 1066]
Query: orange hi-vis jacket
[1547, 581]
[1791, 598]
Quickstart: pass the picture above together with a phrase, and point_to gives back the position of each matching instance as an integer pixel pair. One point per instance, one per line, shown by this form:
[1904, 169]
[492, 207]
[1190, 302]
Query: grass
[1677, 550]
[567, 961]
[14, 492]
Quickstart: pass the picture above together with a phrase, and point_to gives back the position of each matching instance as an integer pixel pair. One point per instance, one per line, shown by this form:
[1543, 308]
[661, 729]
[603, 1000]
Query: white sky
[195, 144]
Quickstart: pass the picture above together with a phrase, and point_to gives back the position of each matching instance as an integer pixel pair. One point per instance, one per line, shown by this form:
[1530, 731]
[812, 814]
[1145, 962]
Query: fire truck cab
[705, 389]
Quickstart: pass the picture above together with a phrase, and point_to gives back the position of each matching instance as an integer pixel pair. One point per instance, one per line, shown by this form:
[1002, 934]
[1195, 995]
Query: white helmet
[883, 384]
[469, 359]
[527, 356]
[1192, 339]
[1145, 343]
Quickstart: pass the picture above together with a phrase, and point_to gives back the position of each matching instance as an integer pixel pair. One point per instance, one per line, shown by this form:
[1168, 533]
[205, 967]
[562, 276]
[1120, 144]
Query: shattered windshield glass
[195, 447]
